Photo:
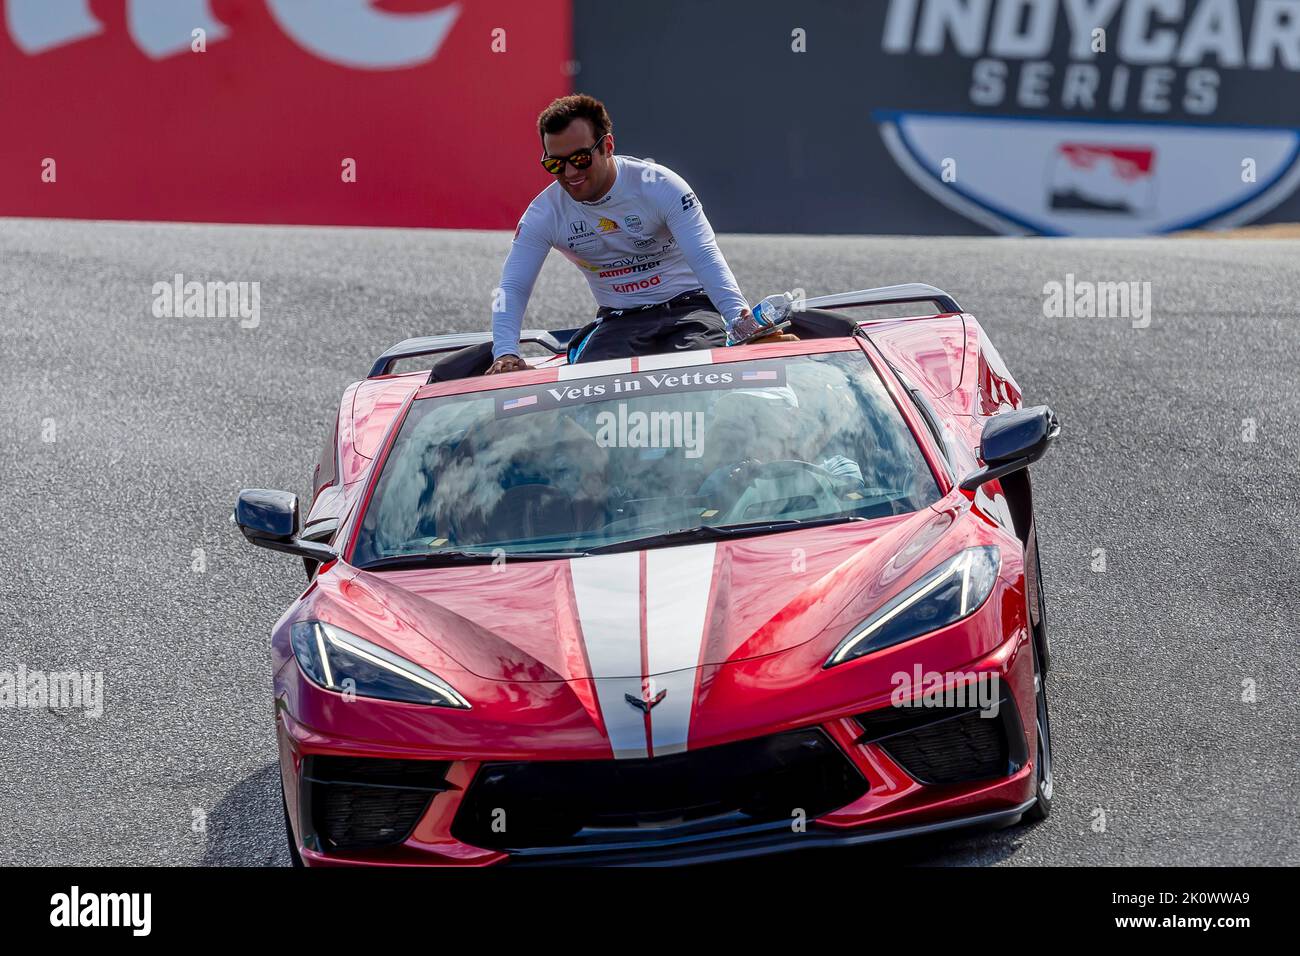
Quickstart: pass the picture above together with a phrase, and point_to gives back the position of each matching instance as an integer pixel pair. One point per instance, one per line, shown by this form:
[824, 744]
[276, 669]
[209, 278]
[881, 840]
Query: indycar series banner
[1053, 117]
[355, 112]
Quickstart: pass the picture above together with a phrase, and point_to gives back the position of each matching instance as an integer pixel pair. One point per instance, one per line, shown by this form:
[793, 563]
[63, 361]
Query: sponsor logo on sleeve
[689, 201]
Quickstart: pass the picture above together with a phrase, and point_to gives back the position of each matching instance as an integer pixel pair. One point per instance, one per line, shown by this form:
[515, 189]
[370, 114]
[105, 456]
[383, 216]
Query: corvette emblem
[646, 700]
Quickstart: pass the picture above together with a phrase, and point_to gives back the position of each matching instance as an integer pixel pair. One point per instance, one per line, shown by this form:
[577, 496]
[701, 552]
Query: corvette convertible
[673, 608]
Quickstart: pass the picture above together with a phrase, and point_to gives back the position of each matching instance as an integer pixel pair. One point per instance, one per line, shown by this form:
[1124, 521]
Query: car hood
[638, 614]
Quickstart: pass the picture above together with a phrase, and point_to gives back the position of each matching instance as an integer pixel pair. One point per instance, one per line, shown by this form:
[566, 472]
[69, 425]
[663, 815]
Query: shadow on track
[246, 828]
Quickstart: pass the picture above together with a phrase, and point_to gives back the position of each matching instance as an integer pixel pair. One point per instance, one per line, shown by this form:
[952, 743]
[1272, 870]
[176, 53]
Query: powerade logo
[628, 261]
[1062, 111]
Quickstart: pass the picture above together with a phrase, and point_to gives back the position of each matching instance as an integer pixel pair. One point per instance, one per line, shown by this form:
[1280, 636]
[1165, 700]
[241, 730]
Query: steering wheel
[734, 481]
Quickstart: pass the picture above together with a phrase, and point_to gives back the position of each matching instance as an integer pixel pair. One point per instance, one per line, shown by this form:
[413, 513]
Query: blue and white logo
[1073, 177]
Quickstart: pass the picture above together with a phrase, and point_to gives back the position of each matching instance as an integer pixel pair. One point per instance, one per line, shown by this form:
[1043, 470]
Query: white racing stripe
[607, 589]
[608, 593]
[649, 363]
[678, 583]
[670, 721]
[625, 723]
[592, 369]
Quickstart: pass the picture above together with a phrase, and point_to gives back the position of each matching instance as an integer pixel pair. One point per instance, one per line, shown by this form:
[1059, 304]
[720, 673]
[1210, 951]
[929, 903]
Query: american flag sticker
[758, 376]
[512, 403]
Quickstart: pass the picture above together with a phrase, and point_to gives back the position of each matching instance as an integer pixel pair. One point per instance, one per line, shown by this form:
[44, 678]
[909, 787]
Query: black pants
[685, 322]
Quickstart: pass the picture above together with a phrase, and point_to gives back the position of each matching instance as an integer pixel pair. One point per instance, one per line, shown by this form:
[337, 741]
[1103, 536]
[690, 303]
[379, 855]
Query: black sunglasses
[580, 159]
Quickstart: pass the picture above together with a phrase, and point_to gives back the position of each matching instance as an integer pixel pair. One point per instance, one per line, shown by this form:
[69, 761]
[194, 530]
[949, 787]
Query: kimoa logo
[352, 33]
[75, 908]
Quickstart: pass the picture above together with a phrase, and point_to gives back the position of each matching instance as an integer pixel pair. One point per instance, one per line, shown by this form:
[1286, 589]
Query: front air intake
[575, 803]
[944, 745]
[355, 803]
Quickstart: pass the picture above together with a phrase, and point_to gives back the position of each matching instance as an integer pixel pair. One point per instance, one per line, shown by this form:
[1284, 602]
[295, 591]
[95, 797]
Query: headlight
[947, 594]
[330, 656]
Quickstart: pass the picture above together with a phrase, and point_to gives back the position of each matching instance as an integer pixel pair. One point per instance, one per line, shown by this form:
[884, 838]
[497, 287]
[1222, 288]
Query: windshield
[586, 463]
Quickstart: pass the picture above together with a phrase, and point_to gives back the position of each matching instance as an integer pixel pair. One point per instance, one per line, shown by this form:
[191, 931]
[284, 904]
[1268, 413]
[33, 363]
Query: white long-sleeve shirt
[643, 242]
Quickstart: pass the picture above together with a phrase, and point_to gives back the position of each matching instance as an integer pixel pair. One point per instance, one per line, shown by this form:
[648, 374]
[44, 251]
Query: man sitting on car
[638, 233]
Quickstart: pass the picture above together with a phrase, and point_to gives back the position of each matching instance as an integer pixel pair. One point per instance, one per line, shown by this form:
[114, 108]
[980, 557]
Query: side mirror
[1013, 441]
[269, 519]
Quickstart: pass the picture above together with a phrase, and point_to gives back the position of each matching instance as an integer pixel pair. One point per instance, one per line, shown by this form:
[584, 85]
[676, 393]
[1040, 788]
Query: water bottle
[769, 316]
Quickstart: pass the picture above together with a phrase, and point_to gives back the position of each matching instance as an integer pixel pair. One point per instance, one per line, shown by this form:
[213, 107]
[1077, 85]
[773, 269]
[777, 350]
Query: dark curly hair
[556, 117]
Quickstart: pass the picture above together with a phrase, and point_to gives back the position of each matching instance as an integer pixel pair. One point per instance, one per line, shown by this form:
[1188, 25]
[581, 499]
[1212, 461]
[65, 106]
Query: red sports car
[672, 608]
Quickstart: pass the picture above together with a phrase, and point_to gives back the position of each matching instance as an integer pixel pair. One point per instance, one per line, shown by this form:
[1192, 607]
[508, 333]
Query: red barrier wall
[256, 129]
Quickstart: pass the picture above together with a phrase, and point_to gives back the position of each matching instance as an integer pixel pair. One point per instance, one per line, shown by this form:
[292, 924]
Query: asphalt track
[158, 422]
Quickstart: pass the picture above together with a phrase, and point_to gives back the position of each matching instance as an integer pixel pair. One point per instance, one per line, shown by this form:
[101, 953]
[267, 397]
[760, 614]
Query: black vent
[939, 745]
[360, 802]
[593, 802]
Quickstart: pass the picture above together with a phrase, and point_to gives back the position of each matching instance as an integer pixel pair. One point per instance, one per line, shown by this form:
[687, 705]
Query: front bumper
[760, 841]
[902, 794]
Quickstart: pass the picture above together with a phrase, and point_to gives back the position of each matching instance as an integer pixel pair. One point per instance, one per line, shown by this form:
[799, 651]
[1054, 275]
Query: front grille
[592, 802]
[939, 745]
[357, 803]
